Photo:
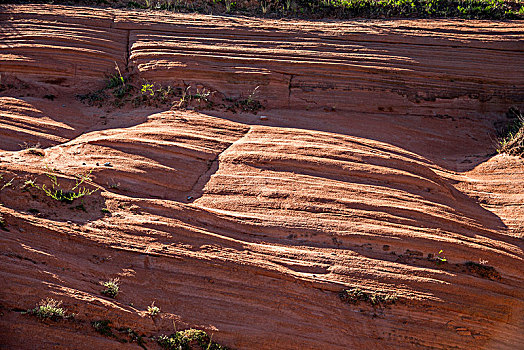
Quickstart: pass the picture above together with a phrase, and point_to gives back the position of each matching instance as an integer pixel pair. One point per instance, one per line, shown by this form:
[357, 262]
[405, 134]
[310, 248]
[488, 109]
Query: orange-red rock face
[376, 152]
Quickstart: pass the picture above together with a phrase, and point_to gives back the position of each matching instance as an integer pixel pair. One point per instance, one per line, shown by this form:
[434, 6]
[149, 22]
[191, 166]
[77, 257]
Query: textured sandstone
[377, 150]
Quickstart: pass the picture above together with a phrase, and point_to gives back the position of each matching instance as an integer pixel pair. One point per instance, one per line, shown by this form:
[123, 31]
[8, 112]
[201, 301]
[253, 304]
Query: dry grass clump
[511, 138]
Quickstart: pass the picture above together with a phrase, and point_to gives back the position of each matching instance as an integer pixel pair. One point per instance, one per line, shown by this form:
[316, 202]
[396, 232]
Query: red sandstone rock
[377, 151]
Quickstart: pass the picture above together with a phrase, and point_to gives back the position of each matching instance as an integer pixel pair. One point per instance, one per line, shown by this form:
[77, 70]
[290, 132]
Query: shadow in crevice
[48, 123]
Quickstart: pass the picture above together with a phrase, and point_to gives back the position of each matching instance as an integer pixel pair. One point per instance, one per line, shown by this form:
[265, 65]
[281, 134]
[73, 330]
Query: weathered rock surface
[376, 153]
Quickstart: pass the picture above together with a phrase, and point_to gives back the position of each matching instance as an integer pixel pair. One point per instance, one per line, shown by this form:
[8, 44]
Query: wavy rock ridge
[376, 154]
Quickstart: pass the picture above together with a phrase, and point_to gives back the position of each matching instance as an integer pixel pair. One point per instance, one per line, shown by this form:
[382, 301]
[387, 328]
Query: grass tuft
[36, 152]
[133, 336]
[153, 310]
[356, 295]
[482, 270]
[187, 340]
[122, 91]
[249, 104]
[511, 136]
[102, 327]
[115, 85]
[112, 287]
[3, 223]
[49, 309]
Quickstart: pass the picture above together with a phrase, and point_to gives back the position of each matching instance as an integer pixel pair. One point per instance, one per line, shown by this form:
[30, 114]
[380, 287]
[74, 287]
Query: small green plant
[116, 79]
[3, 224]
[251, 96]
[7, 184]
[287, 5]
[511, 137]
[482, 270]
[440, 258]
[58, 193]
[113, 185]
[185, 98]
[36, 152]
[356, 295]
[94, 98]
[228, 4]
[116, 84]
[151, 95]
[105, 211]
[249, 104]
[264, 7]
[102, 327]
[153, 310]
[28, 184]
[133, 336]
[48, 309]
[112, 287]
[188, 340]
[147, 89]
[202, 95]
